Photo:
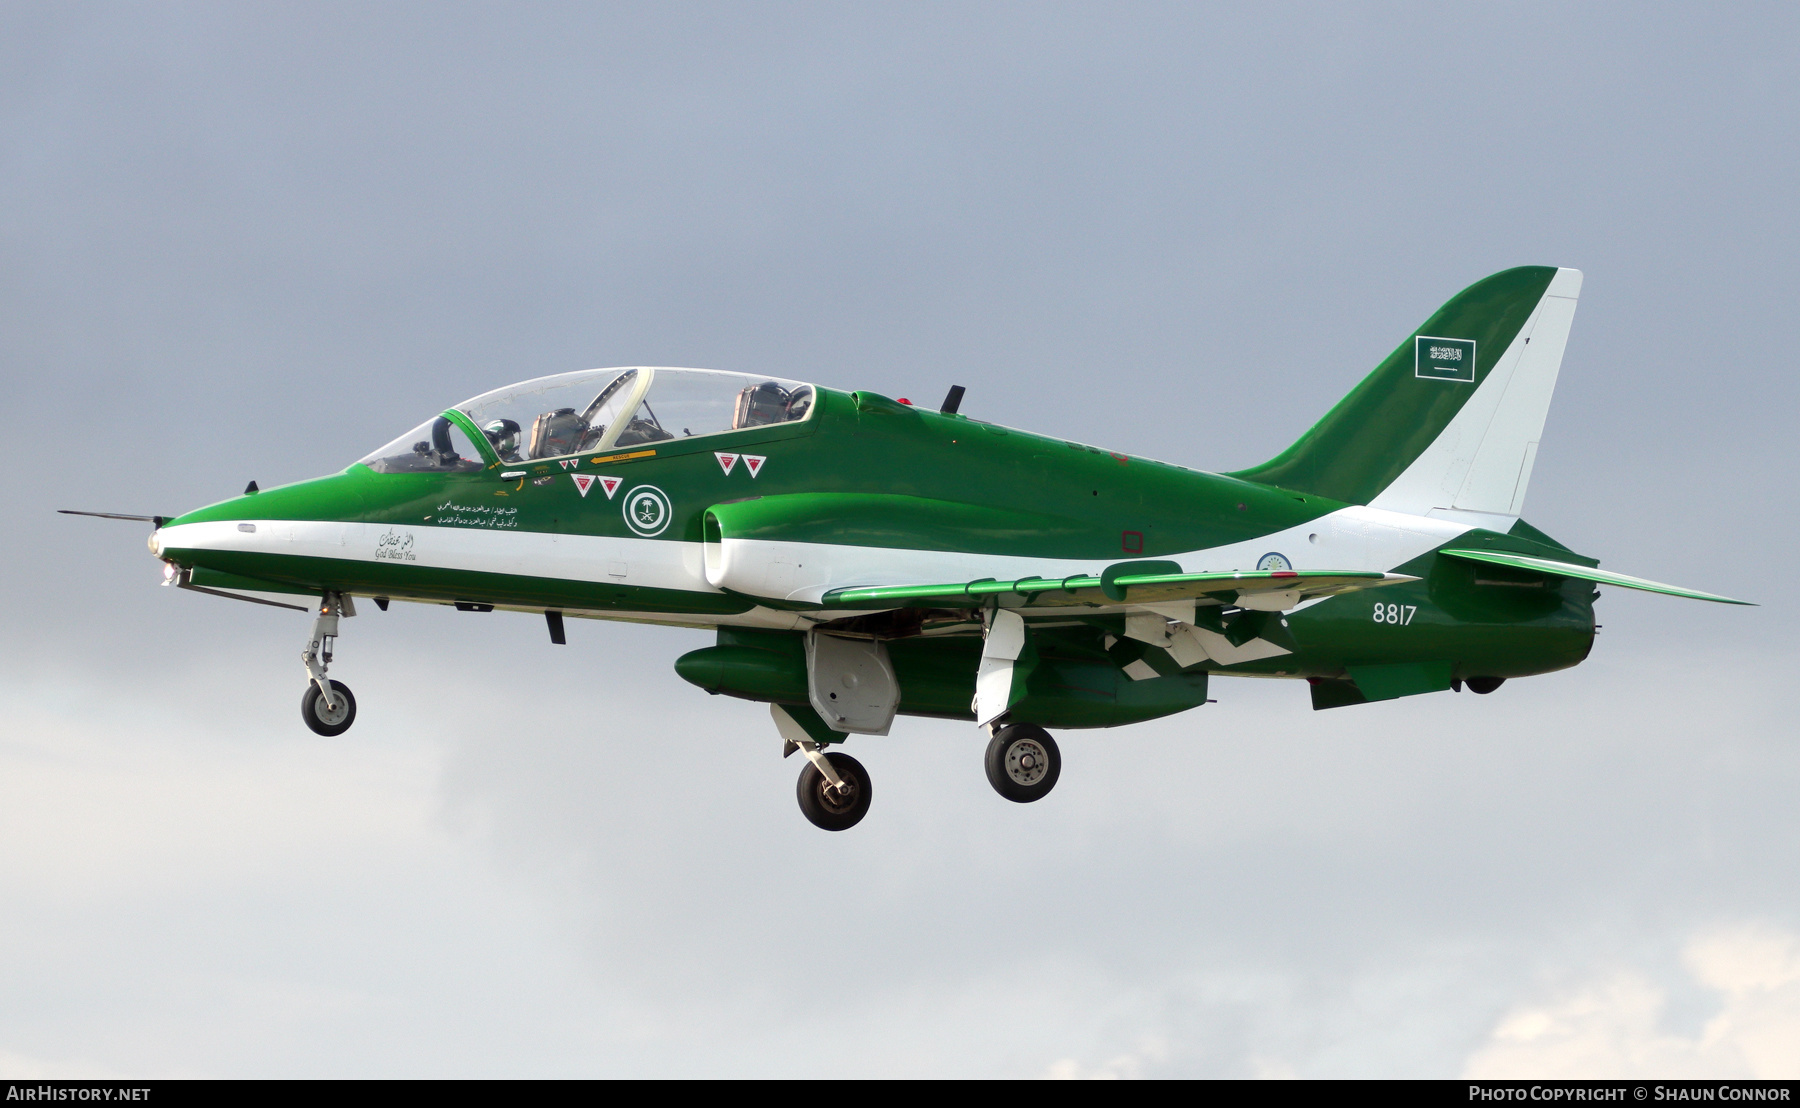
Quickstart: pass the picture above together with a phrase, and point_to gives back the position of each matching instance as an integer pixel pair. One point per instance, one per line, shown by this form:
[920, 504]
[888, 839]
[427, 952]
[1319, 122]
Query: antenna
[953, 401]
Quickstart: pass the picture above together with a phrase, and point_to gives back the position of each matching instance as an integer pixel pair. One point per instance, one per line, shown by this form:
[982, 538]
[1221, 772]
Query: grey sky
[255, 242]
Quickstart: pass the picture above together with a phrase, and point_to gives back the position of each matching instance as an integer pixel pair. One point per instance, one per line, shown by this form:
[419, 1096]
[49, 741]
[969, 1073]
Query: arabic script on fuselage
[395, 546]
[452, 514]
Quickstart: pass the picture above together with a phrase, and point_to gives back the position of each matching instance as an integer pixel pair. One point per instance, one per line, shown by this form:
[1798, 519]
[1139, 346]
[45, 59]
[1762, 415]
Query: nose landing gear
[327, 706]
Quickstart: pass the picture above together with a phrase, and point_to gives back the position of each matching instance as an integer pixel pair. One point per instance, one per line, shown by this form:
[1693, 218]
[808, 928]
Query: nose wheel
[330, 719]
[1023, 763]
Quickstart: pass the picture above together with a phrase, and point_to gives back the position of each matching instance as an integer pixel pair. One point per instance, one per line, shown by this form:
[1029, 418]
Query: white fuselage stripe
[647, 563]
[1354, 538]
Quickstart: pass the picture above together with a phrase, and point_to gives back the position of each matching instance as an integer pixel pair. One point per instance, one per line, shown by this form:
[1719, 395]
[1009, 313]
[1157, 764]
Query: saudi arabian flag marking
[583, 481]
[1445, 359]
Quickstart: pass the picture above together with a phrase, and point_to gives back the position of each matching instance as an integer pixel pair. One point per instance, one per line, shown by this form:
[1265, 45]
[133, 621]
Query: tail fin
[1448, 424]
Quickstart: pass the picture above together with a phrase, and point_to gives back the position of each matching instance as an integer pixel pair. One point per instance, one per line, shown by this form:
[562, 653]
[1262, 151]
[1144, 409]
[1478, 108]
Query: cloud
[96, 799]
[490, 876]
[1128, 1065]
[20, 1067]
[1614, 1026]
[221, 260]
[216, 896]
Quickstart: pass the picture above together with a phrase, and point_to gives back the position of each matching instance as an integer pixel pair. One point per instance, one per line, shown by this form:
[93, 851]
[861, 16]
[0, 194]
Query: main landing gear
[1023, 762]
[834, 790]
[327, 706]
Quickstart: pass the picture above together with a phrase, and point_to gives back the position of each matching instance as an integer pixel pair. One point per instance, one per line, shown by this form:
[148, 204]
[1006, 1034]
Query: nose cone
[261, 533]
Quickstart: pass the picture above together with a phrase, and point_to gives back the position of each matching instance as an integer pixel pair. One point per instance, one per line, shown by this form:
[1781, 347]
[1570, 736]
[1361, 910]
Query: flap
[1583, 573]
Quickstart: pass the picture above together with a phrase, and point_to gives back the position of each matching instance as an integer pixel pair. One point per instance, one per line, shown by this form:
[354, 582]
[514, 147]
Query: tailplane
[1448, 425]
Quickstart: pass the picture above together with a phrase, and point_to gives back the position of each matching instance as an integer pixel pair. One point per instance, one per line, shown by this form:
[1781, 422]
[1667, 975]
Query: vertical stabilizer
[1481, 464]
[1448, 425]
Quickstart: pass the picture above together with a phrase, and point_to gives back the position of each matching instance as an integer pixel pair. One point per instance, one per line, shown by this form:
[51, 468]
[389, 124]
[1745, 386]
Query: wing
[1272, 590]
[1584, 573]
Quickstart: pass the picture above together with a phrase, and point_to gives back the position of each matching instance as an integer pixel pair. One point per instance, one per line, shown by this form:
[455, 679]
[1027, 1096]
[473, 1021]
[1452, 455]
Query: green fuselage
[867, 491]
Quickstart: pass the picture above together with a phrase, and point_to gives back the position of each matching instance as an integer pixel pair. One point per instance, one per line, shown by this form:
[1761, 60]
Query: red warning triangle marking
[583, 481]
[726, 461]
[610, 485]
[753, 462]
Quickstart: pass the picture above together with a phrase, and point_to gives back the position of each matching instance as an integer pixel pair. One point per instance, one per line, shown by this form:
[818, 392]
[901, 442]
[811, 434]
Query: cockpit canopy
[592, 411]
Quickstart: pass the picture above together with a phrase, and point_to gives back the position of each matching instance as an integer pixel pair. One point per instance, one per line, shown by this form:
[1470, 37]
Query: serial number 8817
[1394, 613]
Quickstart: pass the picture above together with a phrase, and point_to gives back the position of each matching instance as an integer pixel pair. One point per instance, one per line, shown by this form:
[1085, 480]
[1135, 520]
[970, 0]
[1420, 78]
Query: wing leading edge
[1273, 590]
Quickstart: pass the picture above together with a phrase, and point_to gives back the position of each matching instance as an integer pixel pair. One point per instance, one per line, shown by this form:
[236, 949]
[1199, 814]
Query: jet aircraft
[858, 558]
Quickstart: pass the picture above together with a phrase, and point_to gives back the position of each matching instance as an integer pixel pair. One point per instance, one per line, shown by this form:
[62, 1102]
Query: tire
[823, 805]
[321, 719]
[1023, 763]
[1484, 685]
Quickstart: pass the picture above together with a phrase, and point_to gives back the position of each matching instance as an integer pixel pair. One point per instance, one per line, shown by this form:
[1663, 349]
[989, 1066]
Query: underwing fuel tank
[1074, 683]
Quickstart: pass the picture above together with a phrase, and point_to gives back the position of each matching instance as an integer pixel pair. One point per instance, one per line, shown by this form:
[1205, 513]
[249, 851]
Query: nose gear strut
[328, 707]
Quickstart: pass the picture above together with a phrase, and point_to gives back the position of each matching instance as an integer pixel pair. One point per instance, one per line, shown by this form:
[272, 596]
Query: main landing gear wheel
[323, 718]
[829, 807]
[1023, 763]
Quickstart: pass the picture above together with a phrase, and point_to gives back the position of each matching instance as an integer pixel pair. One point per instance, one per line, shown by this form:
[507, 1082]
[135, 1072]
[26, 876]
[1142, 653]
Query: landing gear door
[851, 683]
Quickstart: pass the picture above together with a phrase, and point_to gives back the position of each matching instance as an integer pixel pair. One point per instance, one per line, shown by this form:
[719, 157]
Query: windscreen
[435, 446]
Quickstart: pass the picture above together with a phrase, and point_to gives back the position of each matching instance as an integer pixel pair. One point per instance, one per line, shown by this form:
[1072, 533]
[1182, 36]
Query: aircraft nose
[229, 535]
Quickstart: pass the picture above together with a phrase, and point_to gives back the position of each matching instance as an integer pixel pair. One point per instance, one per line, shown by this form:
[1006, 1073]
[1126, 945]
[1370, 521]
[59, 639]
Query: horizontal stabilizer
[1283, 588]
[1584, 573]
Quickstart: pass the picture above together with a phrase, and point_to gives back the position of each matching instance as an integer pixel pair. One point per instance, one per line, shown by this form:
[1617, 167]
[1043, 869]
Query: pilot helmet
[504, 434]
